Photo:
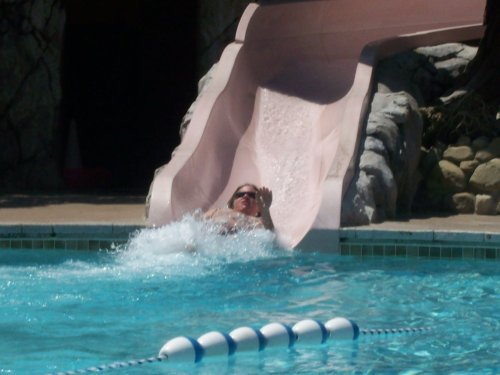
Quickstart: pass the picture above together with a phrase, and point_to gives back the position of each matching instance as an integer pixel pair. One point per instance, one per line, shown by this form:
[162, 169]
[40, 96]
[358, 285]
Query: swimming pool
[68, 310]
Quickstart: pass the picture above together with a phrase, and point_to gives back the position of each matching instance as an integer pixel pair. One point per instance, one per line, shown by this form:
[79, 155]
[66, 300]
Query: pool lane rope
[247, 339]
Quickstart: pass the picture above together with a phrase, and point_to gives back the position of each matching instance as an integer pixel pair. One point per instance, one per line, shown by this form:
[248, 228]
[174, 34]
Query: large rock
[492, 150]
[458, 154]
[396, 108]
[449, 61]
[443, 63]
[486, 178]
[386, 130]
[396, 122]
[468, 167]
[429, 158]
[390, 153]
[485, 205]
[447, 51]
[446, 177]
[359, 206]
[385, 191]
[376, 145]
[464, 203]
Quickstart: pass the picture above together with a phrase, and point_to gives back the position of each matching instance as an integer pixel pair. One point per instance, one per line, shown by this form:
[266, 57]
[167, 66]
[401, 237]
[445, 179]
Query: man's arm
[264, 200]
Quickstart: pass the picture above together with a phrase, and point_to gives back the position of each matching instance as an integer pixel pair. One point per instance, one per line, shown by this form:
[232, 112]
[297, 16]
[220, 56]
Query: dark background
[128, 76]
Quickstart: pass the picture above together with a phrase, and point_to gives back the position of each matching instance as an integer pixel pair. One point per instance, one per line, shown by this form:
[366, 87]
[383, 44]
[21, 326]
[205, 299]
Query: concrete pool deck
[95, 221]
[72, 209]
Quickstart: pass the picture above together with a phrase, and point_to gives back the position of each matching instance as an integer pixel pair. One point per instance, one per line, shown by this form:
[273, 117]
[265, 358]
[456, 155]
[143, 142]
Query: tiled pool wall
[426, 243]
[65, 237]
[352, 241]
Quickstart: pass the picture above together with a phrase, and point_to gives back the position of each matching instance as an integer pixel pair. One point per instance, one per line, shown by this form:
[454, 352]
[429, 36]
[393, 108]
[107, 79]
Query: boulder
[464, 203]
[492, 150]
[395, 75]
[468, 167]
[484, 155]
[448, 51]
[385, 191]
[397, 108]
[485, 205]
[454, 66]
[446, 177]
[358, 207]
[486, 177]
[375, 145]
[386, 130]
[457, 154]
[429, 158]
[408, 177]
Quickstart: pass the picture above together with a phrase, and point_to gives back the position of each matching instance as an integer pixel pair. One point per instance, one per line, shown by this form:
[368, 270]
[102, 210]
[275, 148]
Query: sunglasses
[241, 194]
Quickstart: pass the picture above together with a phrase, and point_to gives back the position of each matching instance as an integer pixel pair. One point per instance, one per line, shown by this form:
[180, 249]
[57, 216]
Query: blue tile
[492, 238]
[452, 236]
[125, 229]
[8, 229]
[349, 234]
[87, 230]
[37, 230]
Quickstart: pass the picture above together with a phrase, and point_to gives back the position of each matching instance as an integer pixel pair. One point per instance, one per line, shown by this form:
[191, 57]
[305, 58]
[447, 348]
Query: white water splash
[193, 246]
[189, 248]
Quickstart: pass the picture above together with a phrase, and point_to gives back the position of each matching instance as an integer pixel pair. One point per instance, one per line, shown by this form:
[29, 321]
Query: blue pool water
[70, 310]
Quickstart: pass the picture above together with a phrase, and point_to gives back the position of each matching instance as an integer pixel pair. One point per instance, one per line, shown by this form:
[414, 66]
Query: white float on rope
[309, 331]
[342, 329]
[278, 334]
[182, 349]
[305, 332]
[248, 339]
[215, 343]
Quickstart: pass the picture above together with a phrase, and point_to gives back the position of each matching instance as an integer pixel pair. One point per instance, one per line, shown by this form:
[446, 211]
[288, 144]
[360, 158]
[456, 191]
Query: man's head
[244, 200]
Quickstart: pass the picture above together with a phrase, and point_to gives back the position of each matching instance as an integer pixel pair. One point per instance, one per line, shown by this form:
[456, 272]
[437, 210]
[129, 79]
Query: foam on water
[193, 247]
[189, 248]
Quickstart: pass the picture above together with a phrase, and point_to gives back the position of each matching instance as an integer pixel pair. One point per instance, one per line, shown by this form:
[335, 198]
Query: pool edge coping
[343, 234]
[344, 241]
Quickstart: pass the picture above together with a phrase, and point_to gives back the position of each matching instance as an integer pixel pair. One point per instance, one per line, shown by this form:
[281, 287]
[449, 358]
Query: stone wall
[30, 54]
[464, 177]
[387, 175]
[395, 173]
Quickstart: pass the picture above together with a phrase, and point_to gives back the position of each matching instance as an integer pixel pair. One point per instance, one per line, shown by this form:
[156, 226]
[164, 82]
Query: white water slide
[287, 102]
